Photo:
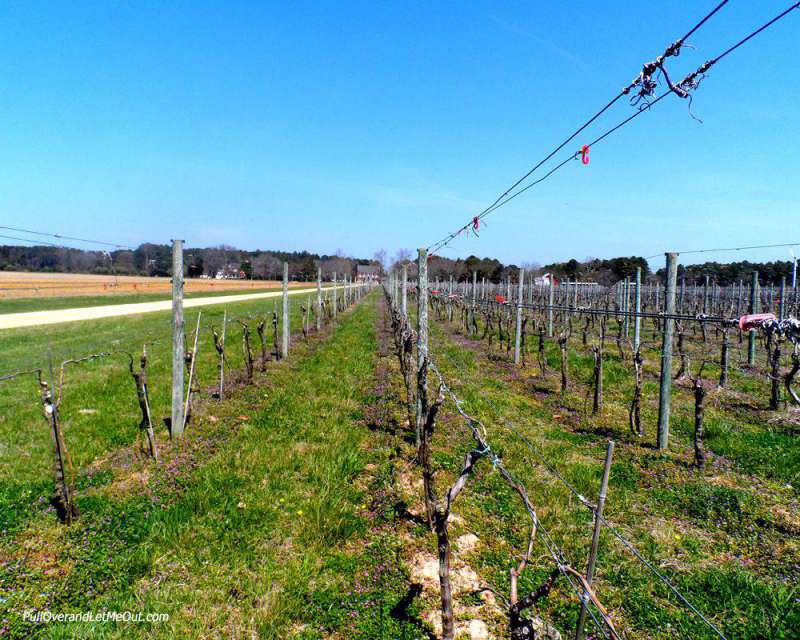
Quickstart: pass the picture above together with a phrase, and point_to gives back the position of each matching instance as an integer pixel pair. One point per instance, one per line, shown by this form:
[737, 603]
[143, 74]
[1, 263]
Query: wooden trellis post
[404, 299]
[422, 338]
[782, 301]
[474, 286]
[637, 307]
[754, 308]
[518, 336]
[221, 349]
[682, 297]
[666, 352]
[285, 324]
[178, 347]
[626, 304]
[335, 301]
[319, 298]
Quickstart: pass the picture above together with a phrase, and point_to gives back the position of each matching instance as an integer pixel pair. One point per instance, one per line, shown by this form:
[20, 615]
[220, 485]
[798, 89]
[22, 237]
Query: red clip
[585, 154]
[476, 223]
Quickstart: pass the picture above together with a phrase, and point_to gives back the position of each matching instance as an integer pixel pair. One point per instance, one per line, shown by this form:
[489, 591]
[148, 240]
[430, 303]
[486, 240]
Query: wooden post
[285, 323]
[335, 301]
[474, 286]
[598, 514]
[739, 300]
[575, 296]
[422, 333]
[222, 354]
[666, 352]
[550, 292]
[178, 348]
[637, 308]
[782, 302]
[404, 298]
[626, 305]
[319, 298]
[682, 295]
[754, 308]
[518, 336]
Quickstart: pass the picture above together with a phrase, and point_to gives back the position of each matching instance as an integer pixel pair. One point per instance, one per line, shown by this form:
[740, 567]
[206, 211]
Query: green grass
[280, 514]
[99, 410]
[729, 540]
[260, 523]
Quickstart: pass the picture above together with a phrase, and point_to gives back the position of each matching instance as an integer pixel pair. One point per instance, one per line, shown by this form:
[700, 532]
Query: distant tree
[194, 264]
[379, 257]
[247, 267]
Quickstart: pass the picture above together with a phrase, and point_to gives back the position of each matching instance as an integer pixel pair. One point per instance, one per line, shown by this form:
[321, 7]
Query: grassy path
[59, 316]
[265, 522]
[45, 303]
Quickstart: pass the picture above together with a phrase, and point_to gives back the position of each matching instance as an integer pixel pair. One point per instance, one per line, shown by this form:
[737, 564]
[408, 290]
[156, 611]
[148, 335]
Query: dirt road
[57, 316]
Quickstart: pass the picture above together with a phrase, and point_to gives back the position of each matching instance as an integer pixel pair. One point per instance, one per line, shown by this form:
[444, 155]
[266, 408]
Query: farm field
[294, 509]
[21, 284]
[36, 302]
[144, 530]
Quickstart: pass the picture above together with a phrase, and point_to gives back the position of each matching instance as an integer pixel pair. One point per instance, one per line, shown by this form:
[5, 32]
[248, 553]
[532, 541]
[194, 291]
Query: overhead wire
[32, 241]
[672, 50]
[755, 246]
[681, 89]
[62, 237]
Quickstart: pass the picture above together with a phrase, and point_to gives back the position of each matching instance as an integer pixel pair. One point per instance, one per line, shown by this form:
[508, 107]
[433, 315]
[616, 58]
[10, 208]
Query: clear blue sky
[362, 125]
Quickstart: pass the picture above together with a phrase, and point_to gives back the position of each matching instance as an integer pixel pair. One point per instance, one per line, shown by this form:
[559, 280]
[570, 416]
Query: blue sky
[362, 125]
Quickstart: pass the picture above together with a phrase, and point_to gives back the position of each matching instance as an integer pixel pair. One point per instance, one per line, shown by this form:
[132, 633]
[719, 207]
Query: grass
[261, 523]
[99, 410]
[727, 538]
[293, 510]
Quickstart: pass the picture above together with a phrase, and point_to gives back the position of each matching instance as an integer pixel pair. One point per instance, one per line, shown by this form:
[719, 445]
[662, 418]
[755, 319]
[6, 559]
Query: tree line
[602, 271]
[731, 273]
[156, 260]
